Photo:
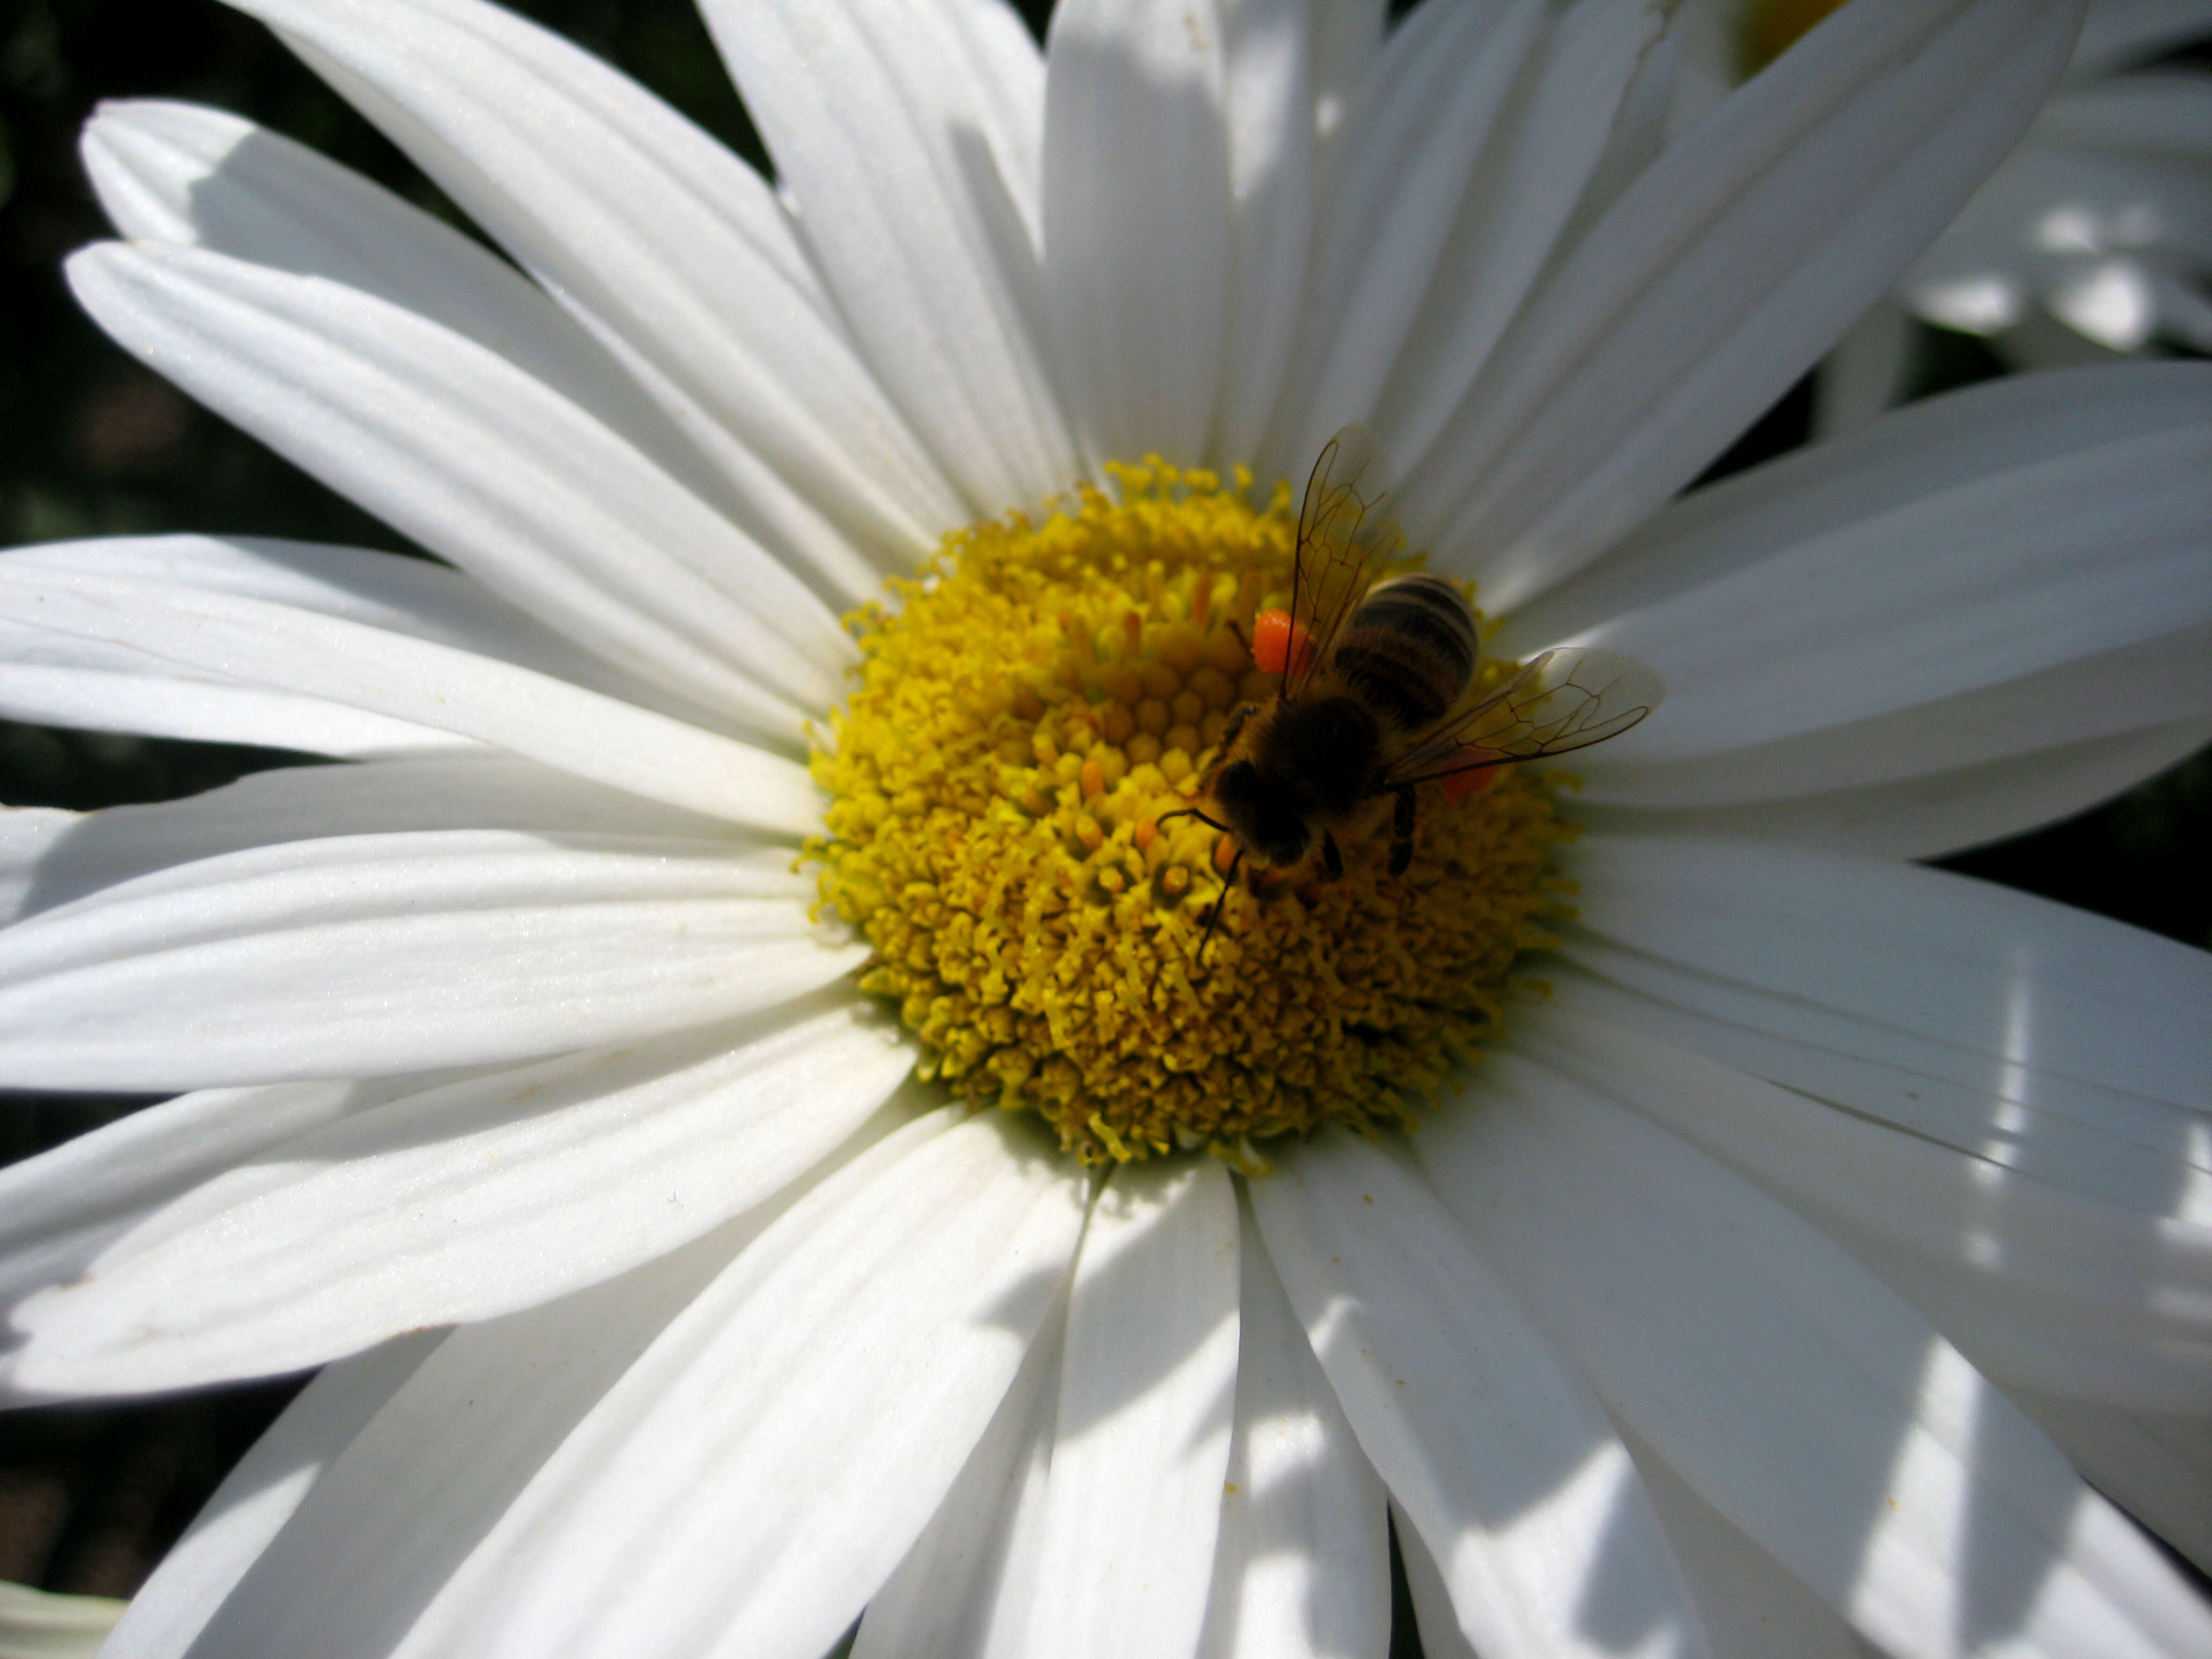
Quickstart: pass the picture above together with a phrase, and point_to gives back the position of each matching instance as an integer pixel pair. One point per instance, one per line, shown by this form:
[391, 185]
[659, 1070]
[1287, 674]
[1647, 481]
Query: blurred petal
[1302, 1569]
[908, 136]
[1720, 275]
[41, 1624]
[1791, 1391]
[1136, 246]
[307, 959]
[1493, 1448]
[650, 229]
[455, 446]
[1141, 1443]
[747, 1485]
[463, 1202]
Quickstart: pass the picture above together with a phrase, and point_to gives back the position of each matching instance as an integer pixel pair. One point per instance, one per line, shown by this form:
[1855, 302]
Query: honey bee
[1376, 695]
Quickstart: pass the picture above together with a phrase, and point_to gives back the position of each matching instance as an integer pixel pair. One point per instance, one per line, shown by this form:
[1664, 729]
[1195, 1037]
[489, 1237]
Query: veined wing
[1345, 538]
[1563, 700]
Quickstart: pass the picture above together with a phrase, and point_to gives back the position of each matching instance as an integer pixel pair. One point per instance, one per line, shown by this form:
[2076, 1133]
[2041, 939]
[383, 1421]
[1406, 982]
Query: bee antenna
[1191, 812]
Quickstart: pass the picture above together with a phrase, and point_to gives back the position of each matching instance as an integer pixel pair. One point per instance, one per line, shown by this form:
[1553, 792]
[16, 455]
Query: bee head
[1265, 815]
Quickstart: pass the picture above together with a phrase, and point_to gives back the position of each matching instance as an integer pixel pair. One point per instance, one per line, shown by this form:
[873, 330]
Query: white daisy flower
[1762, 1291]
[2094, 237]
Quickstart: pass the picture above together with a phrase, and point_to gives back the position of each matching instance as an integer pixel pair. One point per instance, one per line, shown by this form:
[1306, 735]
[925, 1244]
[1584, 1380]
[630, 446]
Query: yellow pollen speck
[1029, 709]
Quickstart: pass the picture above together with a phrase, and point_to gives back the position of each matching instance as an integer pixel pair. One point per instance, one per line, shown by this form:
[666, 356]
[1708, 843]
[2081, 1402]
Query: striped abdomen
[1408, 651]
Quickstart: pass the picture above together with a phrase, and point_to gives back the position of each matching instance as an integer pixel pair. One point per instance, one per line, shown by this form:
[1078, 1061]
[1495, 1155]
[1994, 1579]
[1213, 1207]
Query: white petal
[2099, 1144]
[2007, 976]
[2123, 31]
[1847, 613]
[1302, 1564]
[2130, 1283]
[1992, 431]
[180, 172]
[1495, 1451]
[311, 803]
[484, 465]
[1397, 172]
[388, 590]
[650, 229]
[106, 684]
[1346, 36]
[963, 1591]
[518, 709]
[2157, 1467]
[1136, 241]
[1527, 182]
[392, 1514]
[1791, 1391]
[129, 691]
[909, 136]
[2148, 685]
[463, 1203]
[1147, 1391]
[1434, 1618]
[65, 1206]
[1267, 97]
[761, 1469]
[1720, 275]
[1752, 1609]
[1865, 373]
[1935, 813]
[309, 959]
[259, 1495]
[28, 836]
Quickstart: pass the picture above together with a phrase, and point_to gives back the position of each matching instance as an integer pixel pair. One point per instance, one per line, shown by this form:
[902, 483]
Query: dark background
[92, 444]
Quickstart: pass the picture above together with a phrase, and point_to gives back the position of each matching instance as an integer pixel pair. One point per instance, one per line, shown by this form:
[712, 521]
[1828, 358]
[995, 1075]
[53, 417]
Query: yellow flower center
[1771, 28]
[1029, 709]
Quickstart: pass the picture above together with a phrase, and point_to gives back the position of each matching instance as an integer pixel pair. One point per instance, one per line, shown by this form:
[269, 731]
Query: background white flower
[2094, 237]
[522, 1083]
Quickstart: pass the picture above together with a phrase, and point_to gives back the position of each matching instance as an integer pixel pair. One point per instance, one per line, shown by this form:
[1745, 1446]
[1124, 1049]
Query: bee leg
[1237, 716]
[1213, 916]
[1401, 834]
[1330, 857]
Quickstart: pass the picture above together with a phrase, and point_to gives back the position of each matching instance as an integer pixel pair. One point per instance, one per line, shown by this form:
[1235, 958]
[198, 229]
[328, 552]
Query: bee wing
[1344, 538]
[1565, 699]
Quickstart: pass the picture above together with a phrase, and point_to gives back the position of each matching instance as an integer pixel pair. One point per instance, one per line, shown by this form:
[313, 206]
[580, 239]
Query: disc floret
[1029, 708]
